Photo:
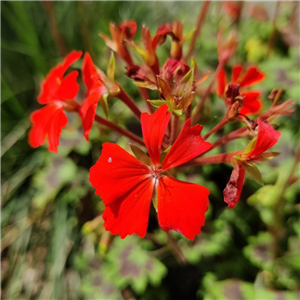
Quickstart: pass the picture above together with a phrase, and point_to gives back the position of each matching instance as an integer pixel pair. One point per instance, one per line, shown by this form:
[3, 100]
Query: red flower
[56, 92]
[99, 88]
[266, 138]
[95, 89]
[252, 76]
[127, 185]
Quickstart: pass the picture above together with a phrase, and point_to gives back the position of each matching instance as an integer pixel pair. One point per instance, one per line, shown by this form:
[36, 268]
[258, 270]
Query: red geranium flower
[252, 76]
[95, 89]
[57, 92]
[266, 138]
[127, 185]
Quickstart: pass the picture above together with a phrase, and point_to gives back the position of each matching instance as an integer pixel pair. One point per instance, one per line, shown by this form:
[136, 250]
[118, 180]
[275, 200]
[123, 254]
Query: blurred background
[53, 242]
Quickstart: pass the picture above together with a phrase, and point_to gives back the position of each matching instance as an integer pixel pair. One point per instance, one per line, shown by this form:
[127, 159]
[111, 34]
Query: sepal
[140, 155]
[104, 104]
[111, 68]
[253, 172]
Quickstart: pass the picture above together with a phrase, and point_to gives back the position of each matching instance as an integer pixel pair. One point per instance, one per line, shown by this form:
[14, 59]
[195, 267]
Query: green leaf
[131, 265]
[259, 250]
[253, 172]
[265, 196]
[111, 68]
[140, 155]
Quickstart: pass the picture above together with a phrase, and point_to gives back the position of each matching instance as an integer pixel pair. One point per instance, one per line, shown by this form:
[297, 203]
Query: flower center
[156, 171]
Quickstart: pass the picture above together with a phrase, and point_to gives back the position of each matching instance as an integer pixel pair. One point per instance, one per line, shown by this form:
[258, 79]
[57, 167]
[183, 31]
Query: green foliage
[130, 264]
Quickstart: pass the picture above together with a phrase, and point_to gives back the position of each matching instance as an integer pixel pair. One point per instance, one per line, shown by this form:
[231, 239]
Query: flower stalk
[196, 114]
[126, 99]
[120, 130]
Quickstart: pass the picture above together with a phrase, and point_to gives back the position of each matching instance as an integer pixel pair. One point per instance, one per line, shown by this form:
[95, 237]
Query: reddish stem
[200, 21]
[216, 159]
[241, 132]
[125, 98]
[174, 128]
[145, 97]
[220, 125]
[208, 91]
[120, 130]
[155, 67]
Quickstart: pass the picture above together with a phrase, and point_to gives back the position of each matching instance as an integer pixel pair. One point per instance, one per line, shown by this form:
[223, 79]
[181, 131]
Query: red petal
[125, 185]
[161, 35]
[235, 73]
[154, 127]
[88, 111]
[52, 82]
[129, 28]
[251, 77]
[251, 104]
[69, 60]
[181, 206]
[221, 83]
[267, 137]
[188, 145]
[234, 187]
[91, 77]
[48, 120]
[69, 87]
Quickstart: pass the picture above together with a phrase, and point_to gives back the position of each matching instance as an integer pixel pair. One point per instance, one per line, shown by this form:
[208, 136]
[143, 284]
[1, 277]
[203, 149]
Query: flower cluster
[128, 184]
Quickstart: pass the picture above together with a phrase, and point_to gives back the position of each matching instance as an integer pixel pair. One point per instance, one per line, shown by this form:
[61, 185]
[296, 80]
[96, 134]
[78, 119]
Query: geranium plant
[171, 133]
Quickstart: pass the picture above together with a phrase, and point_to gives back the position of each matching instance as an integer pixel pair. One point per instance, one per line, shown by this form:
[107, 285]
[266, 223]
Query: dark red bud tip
[234, 187]
[232, 92]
